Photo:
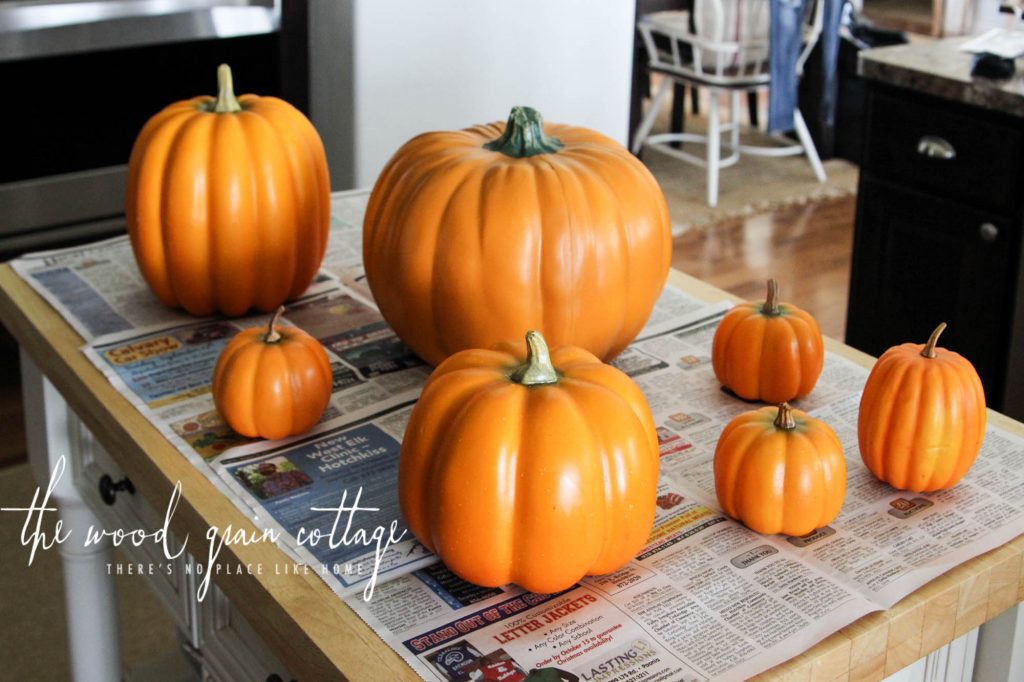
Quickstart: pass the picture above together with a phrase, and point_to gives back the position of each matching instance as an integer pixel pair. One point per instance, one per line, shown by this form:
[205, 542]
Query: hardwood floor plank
[807, 248]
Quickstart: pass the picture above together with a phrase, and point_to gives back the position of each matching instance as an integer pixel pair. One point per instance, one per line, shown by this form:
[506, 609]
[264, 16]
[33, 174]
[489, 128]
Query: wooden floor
[806, 248]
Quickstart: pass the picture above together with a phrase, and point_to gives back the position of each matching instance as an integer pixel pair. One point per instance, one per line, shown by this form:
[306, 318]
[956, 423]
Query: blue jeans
[787, 19]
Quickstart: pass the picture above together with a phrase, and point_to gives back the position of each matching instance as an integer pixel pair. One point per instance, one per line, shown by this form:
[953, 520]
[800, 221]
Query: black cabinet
[940, 210]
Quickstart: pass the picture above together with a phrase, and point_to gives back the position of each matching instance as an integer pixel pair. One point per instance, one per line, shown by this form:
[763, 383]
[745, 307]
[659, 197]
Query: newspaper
[99, 289]
[705, 598]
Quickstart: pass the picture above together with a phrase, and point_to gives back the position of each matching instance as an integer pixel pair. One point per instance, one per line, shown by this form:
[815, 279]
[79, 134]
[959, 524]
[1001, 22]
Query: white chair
[724, 49]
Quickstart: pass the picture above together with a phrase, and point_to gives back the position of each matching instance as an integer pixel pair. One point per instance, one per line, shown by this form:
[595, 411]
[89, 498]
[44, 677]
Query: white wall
[422, 65]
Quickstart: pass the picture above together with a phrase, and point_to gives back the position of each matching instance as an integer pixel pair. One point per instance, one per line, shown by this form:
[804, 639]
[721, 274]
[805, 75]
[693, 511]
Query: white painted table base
[90, 595]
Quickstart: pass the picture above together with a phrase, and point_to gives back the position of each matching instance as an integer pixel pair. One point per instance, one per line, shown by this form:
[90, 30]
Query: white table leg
[1001, 648]
[89, 592]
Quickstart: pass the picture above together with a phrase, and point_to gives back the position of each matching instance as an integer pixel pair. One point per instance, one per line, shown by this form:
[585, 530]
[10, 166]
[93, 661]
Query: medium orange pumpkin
[536, 470]
[228, 202]
[778, 470]
[474, 235]
[768, 351]
[922, 416]
[272, 382]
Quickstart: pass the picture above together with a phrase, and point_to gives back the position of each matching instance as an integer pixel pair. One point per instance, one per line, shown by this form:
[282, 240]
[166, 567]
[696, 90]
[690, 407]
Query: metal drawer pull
[109, 489]
[988, 232]
[935, 147]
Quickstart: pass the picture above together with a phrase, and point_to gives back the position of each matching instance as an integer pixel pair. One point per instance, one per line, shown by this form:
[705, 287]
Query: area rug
[33, 633]
[755, 184]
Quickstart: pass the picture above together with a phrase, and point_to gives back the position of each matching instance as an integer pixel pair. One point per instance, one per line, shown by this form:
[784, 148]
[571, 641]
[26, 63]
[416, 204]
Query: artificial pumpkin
[535, 468]
[272, 382]
[922, 416]
[770, 351]
[778, 470]
[228, 202]
[472, 236]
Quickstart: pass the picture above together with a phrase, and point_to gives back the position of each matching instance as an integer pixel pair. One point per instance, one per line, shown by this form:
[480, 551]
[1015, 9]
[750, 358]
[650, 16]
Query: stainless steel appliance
[80, 78]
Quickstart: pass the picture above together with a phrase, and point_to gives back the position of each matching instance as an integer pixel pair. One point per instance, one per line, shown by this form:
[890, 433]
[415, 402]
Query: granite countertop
[938, 68]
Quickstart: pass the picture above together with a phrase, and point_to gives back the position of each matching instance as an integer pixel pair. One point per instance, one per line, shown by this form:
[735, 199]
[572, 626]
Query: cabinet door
[918, 261]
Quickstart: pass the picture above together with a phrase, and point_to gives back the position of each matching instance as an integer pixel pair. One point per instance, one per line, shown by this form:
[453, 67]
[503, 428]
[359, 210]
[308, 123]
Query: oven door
[82, 77]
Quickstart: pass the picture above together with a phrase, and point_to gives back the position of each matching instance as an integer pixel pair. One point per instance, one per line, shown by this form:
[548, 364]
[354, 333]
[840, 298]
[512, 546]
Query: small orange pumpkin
[536, 470]
[228, 202]
[769, 351]
[471, 236]
[778, 470]
[272, 382]
[922, 416]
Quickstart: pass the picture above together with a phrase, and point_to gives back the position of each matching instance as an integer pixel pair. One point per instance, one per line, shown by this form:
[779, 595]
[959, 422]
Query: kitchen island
[257, 625]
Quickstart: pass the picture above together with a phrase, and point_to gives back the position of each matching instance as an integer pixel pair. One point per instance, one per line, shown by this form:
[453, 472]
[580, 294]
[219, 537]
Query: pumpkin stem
[929, 348]
[771, 302]
[524, 136]
[537, 370]
[784, 420]
[226, 101]
[273, 336]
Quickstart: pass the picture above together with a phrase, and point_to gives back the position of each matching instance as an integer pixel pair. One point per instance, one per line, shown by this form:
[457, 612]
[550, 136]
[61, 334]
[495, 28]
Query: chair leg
[678, 118]
[714, 148]
[694, 100]
[664, 88]
[807, 142]
[752, 108]
[734, 116]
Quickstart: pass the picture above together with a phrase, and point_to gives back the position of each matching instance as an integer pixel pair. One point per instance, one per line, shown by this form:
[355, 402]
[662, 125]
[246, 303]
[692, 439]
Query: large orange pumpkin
[535, 470]
[228, 202]
[770, 351]
[272, 382]
[778, 470]
[472, 236]
[922, 416]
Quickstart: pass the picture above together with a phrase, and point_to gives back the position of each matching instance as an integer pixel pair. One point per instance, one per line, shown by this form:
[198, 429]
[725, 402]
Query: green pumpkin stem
[929, 348]
[524, 136]
[272, 335]
[537, 370]
[226, 101]
[784, 420]
[771, 302]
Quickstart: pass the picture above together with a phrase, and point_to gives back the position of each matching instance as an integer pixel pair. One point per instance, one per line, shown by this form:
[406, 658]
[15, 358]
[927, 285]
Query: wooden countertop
[319, 638]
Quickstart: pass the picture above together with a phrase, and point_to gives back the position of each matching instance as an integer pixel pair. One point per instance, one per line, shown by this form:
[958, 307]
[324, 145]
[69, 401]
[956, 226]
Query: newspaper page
[167, 372]
[99, 289]
[885, 543]
[344, 257]
[329, 496]
[706, 598]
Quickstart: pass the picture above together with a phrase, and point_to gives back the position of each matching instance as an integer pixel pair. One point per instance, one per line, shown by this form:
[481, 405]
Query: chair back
[723, 42]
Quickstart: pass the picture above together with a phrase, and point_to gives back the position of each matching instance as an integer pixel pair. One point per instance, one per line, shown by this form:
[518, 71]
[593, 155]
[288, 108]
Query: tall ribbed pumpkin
[922, 416]
[228, 202]
[471, 236]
